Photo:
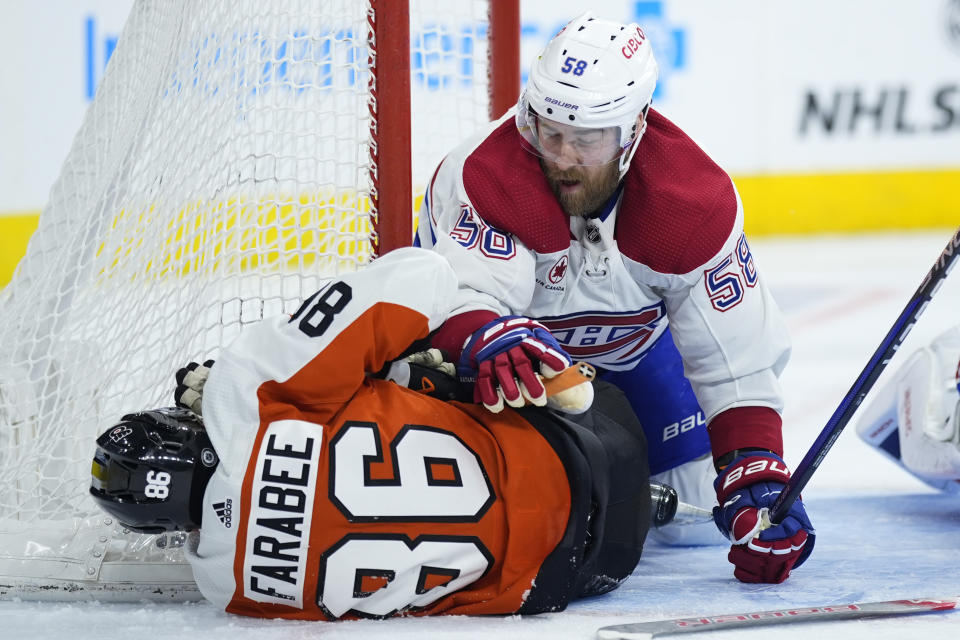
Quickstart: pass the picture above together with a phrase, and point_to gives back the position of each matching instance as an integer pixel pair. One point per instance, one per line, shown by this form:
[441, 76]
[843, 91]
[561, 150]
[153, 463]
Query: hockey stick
[660, 628]
[875, 366]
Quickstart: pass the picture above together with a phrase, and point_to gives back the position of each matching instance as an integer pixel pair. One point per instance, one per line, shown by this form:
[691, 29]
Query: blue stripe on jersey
[426, 210]
[610, 203]
[891, 444]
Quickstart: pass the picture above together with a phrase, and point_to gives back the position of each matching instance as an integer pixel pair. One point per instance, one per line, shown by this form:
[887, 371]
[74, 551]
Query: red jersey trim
[746, 427]
[678, 206]
[677, 211]
[451, 337]
[509, 191]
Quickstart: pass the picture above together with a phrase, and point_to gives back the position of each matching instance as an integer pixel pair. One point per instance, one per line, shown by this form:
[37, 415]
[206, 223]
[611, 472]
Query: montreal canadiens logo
[558, 270]
[612, 340]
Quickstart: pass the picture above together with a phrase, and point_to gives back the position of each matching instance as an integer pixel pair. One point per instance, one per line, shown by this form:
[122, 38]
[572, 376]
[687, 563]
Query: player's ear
[641, 119]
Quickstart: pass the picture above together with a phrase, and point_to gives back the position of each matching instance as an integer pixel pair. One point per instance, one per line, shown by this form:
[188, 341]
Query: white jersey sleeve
[729, 330]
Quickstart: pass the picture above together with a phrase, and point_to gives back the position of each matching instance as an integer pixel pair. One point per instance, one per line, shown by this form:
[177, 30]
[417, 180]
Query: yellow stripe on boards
[847, 202]
[15, 232]
[293, 233]
[298, 234]
[281, 235]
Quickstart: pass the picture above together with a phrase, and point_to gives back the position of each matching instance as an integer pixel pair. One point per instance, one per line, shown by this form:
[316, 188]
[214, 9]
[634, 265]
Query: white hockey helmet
[594, 75]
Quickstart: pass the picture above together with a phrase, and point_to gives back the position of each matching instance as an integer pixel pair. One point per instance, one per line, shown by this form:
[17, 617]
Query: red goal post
[391, 35]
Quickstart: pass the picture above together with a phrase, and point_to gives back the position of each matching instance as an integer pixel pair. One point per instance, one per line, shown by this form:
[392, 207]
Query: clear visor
[566, 144]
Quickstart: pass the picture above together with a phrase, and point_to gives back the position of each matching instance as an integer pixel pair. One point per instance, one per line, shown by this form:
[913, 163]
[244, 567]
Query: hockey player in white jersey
[915, 418]
[586, 212]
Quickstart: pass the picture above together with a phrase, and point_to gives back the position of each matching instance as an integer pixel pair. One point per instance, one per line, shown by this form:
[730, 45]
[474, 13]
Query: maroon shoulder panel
[509, 191]
[678, 206]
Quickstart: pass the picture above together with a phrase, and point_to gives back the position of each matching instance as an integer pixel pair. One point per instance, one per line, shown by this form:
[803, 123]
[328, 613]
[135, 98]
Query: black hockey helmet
[150, 470]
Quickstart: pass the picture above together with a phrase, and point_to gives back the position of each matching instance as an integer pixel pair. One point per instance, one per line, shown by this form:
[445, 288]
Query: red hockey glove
[748, 484]
[503, 360]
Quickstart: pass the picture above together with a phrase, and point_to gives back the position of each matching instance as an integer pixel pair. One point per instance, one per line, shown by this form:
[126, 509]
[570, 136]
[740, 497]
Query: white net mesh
[222, 171]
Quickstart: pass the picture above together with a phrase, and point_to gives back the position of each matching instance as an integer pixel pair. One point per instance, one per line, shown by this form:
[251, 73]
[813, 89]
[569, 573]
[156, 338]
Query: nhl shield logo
[558, 270]
[593, 233]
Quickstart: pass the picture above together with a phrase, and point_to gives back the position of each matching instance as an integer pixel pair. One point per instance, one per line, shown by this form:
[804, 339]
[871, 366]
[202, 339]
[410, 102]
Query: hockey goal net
[235, 155]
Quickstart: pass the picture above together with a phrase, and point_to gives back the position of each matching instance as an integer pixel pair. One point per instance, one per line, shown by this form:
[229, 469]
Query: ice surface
[881, 534]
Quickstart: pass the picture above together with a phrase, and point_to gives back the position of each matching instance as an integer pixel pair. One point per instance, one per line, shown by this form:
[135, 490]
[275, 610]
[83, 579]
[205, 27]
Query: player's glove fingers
[769, 561]
[792, 546]
[779, 546]
[535, 400]
[505, 371]
[194, 379]
[497, 405]
[745, 525]
[190, 382]
[428, 358]
[529, 382]
[485, 389]
[751, 567]
[183, 372]
[546, 354]
[188, 399]
[550, 362]
[194, 375]
[434, 359]
[526, 379]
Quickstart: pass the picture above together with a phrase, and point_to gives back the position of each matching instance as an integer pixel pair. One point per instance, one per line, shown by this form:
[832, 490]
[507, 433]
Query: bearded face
[581, 164]
[580, 189]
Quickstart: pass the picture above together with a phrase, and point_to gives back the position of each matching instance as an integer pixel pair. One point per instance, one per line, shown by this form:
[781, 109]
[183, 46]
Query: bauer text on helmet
[596, 75]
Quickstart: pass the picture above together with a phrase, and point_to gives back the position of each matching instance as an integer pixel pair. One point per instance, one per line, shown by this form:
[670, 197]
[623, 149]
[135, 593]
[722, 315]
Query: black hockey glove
[190, 382]
[429, 373]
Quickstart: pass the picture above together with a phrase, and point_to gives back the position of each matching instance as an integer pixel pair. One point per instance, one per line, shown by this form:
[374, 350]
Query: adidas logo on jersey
[224, 511]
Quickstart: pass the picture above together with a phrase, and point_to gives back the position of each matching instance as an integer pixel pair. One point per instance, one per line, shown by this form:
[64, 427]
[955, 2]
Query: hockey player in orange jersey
[315, 489]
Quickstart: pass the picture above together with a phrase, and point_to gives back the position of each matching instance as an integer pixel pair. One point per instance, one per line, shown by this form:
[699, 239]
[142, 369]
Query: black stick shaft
[864, 382]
